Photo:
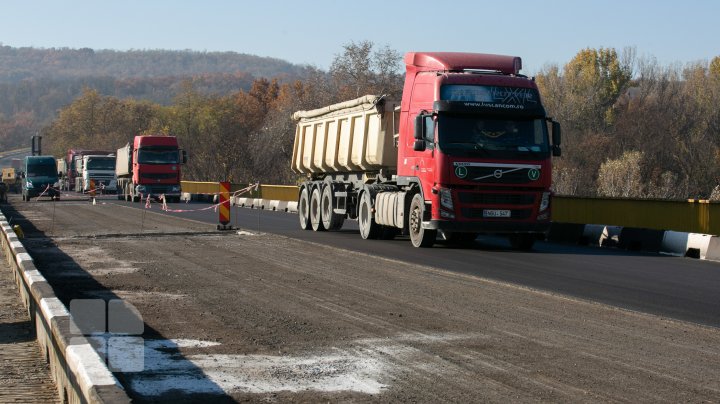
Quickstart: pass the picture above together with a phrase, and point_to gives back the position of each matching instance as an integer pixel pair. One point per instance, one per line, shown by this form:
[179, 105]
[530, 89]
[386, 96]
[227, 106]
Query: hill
[17, 64]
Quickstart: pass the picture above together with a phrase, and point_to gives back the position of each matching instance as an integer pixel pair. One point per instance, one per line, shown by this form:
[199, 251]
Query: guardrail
[80, 374]
[693, 216]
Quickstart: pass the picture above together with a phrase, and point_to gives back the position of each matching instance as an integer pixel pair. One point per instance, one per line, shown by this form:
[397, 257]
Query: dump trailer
[149, 167]
[467, 150]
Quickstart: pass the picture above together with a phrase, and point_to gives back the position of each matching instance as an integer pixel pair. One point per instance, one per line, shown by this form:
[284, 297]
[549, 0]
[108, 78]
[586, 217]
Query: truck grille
[496, 199]
[489, 175]
[159, 176]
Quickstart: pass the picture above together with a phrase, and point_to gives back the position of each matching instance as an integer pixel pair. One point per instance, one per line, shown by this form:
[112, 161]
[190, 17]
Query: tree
[621, 177]
[594, 80]
[359, 70]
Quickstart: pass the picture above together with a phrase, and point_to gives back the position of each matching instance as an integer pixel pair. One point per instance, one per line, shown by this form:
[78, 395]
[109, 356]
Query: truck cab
[40, 178]
[98, 173]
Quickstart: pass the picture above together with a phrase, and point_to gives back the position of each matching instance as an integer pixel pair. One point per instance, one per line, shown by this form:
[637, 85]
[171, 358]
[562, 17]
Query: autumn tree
[621, 177]
[360, 70]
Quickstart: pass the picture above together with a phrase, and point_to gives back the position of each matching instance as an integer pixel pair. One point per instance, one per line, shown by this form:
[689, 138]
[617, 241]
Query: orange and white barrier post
[224, 205]
[92, 191]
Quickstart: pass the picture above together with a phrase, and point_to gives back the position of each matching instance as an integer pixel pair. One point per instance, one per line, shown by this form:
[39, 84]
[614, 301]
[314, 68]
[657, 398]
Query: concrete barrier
[674, 243]
[713, 251]
[600, 235]
[566, 232]
[697, 245]
[635, 239]
[292, 207]
[80, 374]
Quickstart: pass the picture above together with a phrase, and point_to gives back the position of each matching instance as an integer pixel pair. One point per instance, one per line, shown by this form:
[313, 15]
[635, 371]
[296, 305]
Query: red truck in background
[149, 167]
[467, 150]
[71, 159]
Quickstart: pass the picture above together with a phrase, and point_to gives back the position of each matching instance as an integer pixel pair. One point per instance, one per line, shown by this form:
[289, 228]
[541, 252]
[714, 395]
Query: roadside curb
[667, 242]
[80, 374]
[266, 204]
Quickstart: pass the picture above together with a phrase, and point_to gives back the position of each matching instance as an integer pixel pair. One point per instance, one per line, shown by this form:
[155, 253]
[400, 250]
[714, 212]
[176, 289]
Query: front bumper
[488, 227]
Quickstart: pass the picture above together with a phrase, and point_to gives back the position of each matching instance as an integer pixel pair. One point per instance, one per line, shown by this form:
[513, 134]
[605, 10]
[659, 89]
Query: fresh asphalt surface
[681, 288]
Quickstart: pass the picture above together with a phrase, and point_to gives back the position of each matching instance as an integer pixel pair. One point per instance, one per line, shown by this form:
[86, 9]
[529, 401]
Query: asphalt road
[329, 317]
[681, 288]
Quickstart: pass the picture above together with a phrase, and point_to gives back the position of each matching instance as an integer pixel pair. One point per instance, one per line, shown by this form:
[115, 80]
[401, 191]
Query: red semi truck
[150, 167]
[467, 150]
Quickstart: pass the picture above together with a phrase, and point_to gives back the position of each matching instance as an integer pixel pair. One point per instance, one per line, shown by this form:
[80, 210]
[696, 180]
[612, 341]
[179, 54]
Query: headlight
[140, 189]
[545, 201]
[446, 198]
[28, 184]
[175, 188]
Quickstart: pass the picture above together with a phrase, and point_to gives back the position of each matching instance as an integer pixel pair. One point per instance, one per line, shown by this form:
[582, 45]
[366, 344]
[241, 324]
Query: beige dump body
[352, 136]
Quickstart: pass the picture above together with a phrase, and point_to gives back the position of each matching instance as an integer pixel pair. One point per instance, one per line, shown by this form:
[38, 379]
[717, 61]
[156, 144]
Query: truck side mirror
[556, 139]
[419, 145]
[183, 156]
[419, 127]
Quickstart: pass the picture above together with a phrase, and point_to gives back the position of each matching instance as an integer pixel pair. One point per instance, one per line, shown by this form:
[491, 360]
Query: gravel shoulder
[261, 317]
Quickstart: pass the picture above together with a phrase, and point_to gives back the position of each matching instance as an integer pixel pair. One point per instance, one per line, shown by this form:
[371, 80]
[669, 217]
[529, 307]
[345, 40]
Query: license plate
[496, 213]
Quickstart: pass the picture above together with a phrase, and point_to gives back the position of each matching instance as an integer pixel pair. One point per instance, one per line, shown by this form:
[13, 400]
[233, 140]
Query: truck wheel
[315, 214]
[304, 209]
[330, 219]
[523, 242]
[420, 237]
[368, 228]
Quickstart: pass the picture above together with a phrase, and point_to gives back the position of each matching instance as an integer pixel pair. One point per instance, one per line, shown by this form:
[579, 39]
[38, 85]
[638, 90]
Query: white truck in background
[100, 169]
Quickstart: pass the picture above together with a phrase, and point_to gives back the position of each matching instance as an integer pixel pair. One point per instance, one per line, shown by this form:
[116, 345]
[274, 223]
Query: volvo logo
[533, 174]
[498, 173]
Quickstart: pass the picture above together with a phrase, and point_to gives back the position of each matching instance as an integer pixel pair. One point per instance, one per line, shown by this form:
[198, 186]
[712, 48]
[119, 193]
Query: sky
[314, 32]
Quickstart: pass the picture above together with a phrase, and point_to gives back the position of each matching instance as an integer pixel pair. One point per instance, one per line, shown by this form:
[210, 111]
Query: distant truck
[149, 167]
[40, 178]
[96, 172]
[10, 178]
[71, 164]
[467, 150]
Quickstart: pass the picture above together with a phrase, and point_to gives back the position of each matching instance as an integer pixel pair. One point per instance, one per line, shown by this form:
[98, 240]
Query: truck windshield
[41, 171]
[158, 155]
[469, 134]
[101, 164]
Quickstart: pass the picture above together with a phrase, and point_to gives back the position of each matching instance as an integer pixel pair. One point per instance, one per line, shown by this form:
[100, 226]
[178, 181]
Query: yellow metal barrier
[196, 187]
[279, 192]
[688, 216]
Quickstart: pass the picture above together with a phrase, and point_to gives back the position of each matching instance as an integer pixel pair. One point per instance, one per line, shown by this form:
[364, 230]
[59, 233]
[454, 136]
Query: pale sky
[313, 32]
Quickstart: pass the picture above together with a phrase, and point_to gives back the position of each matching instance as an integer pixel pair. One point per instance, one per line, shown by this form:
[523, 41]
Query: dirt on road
[257, 317]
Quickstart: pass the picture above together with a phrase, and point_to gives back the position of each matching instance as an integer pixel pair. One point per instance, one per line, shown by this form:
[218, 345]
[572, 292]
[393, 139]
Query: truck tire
[315, 214]
[366, 222]
[330, 219]
[304, 209]
[418, 236]
[522, 242]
